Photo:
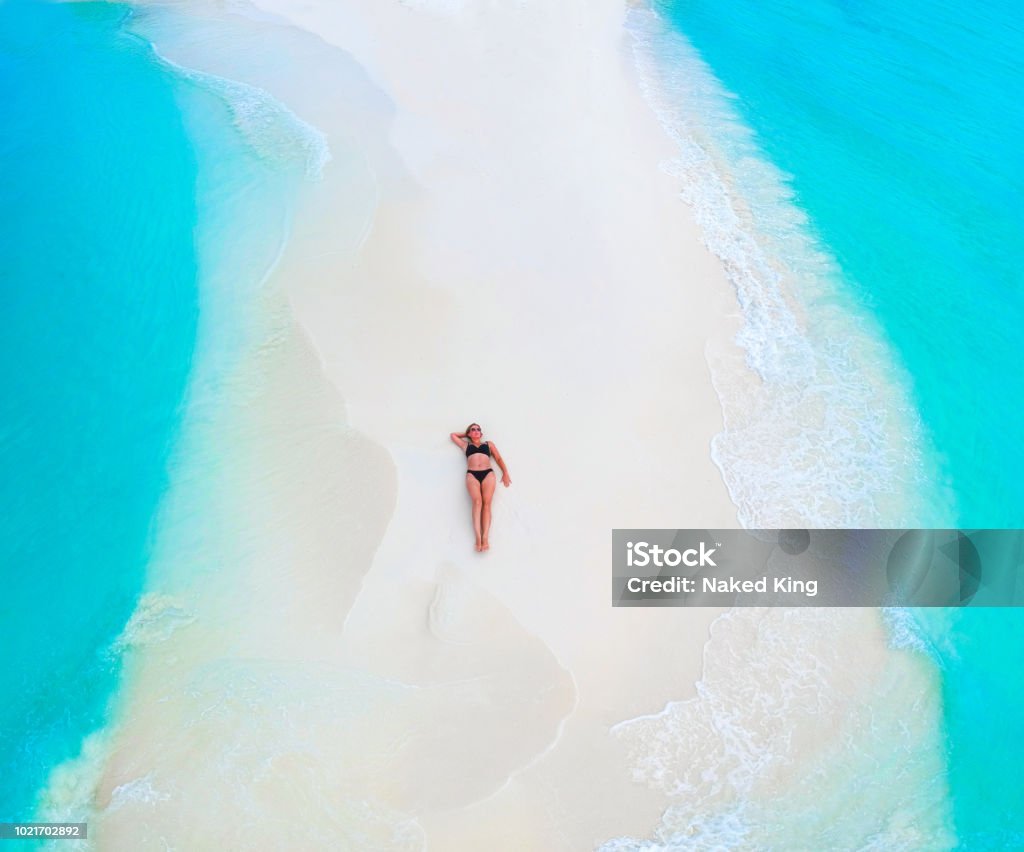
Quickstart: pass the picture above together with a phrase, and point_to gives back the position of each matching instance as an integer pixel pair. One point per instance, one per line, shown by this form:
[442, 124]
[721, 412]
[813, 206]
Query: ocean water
[978, 654]
[792, 742]
[143, 205]
[896, 141]
[99, 283]
[855, 167]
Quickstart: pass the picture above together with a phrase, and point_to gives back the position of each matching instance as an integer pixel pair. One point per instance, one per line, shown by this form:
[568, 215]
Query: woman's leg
[473, 487]
[487, 494]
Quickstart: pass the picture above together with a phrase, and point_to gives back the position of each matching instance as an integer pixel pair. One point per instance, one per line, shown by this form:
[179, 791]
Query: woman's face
[475, 432]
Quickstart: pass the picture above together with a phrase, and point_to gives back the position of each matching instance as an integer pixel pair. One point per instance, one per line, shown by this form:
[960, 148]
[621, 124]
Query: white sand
[348, 671]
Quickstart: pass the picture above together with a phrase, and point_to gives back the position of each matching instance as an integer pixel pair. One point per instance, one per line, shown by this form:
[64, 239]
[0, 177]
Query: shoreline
[784, 386]
[358, 652]
[317, 637]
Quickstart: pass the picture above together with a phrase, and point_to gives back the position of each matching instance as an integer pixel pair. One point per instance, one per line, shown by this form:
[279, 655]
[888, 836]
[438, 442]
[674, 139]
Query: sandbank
[493, 240]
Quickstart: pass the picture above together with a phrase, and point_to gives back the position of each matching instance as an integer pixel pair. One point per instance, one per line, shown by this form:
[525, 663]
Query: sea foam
[819, 428]
[252, 153]
[795, 740]
[273, 130]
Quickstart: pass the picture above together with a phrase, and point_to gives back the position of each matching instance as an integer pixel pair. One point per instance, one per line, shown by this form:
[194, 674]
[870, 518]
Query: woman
[480, 479]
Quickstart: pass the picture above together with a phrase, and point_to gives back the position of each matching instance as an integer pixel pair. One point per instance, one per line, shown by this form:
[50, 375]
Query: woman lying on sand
[480, 479]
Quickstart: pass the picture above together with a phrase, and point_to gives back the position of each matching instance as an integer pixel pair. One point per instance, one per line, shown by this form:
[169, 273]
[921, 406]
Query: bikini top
[483, 448]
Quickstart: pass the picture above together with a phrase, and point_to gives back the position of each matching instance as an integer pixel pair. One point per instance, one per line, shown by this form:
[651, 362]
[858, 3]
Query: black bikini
[480, 475]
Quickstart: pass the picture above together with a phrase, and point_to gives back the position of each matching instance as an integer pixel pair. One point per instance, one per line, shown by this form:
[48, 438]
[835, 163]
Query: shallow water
[145, 205]
[898, 138]
[99, 283]
[867, 198]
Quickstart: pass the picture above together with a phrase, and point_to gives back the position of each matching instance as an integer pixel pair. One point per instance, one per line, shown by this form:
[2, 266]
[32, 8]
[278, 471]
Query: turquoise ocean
[99, 283]
[875, 147]
[142, 207]
[895, 128]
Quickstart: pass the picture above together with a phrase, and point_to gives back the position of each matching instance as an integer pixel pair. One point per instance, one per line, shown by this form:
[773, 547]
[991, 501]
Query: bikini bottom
[480, 475]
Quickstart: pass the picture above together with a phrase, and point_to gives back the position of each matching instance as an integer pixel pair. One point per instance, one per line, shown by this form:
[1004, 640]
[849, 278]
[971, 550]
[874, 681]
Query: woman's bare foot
[486, 545]
[478, 547]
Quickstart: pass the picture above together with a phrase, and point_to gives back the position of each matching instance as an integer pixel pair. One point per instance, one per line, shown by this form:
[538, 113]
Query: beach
[464, 256]
[319, 657]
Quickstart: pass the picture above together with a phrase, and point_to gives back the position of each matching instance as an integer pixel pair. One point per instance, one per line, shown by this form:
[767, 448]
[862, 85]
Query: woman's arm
[459, 439]
[506, 480]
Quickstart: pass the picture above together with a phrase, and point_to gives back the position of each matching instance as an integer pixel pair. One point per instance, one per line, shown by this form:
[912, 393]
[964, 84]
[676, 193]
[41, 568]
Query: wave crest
[820, 429]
